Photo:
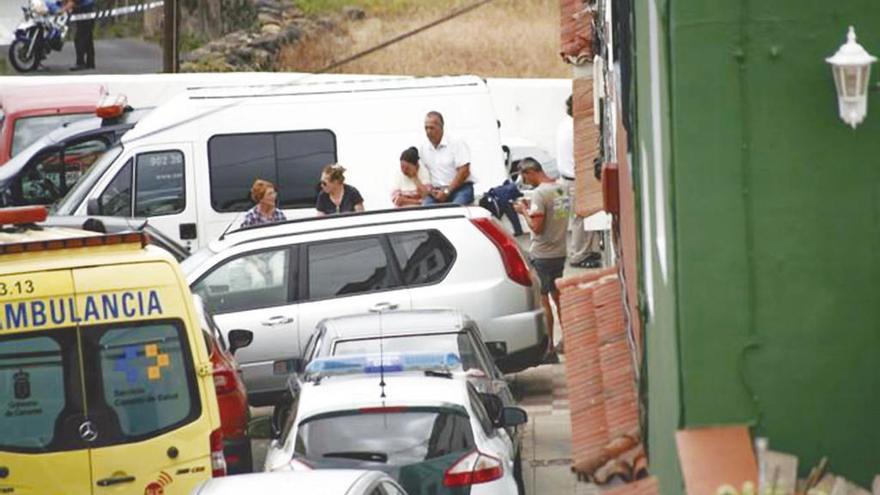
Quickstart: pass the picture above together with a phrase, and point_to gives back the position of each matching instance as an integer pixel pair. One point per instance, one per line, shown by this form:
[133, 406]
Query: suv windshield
[84, 185]
[400, 437]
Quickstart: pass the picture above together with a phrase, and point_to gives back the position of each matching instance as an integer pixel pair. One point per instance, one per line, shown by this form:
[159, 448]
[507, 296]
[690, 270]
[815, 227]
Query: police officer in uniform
[83, 40]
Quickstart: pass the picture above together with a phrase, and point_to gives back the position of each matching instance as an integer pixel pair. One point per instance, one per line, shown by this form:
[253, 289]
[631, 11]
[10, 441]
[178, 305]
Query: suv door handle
[115, 481]
[277, 320]
[384, 306]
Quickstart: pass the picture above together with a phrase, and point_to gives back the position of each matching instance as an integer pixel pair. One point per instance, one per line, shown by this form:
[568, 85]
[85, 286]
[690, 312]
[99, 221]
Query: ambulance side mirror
[239, 339]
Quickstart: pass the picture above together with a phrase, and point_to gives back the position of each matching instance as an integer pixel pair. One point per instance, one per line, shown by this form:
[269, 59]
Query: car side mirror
[262, 429]
[93, 207]
[239, 339]
[513, 416]
[493, 406]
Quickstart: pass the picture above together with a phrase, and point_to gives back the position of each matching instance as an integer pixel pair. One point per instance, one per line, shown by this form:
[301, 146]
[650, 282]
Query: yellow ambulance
[106, 386]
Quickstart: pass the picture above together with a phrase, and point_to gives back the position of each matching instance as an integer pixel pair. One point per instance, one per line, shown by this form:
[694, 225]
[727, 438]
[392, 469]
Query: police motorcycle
[42, 30]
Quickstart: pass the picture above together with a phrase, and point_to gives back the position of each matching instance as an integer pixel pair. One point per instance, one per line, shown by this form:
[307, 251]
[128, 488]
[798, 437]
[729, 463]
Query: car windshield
[84, 185]
[458, 343]
[399, 437]
[29, 129]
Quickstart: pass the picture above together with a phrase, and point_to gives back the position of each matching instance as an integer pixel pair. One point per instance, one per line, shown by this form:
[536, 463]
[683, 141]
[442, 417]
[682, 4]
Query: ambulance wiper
[362, 456]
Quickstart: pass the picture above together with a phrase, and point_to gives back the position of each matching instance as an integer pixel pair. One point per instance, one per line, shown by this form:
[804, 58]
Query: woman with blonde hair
[265, 196]
[336, 196]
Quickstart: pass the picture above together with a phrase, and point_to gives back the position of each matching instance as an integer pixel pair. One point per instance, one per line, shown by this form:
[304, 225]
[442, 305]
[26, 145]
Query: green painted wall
[653, 182]
[774, 235]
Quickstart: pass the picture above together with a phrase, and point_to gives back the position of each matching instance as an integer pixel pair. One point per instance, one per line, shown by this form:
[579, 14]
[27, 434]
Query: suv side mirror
[239, 339]
[92, 207]
[513, 416]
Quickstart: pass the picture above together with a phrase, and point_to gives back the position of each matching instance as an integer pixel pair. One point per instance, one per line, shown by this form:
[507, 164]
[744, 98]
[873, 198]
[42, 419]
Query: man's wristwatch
[445, 191]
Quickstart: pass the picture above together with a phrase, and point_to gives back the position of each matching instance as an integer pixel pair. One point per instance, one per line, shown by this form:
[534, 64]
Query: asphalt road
[112, 56]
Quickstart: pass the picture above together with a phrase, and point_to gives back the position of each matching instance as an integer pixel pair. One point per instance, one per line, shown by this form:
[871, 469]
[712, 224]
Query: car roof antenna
[229, 226]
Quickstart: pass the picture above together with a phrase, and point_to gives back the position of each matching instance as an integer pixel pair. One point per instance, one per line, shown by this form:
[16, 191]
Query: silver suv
[280, 280]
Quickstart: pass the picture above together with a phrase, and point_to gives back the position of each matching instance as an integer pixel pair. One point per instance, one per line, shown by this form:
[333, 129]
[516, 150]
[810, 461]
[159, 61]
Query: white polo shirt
[443, 161]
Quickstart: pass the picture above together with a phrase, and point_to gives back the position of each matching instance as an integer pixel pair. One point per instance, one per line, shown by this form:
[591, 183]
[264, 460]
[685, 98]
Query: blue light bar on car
[389, 363]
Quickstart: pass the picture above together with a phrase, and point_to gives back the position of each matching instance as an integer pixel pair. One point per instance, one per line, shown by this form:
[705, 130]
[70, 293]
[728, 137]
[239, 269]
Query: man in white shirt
[448, 161]
[583, 246]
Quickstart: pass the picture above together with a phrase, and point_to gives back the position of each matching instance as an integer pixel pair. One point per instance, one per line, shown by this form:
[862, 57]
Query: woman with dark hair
[336, 196]
[413, 183]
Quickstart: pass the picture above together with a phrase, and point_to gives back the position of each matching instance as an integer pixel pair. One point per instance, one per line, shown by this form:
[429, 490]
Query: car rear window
[34, 375]
[424, 257]
[458, 343]
[395, 438]
[147, 380]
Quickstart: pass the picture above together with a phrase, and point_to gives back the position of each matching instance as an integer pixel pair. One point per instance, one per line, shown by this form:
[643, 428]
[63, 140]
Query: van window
[256, 280]
[424, 257]
[347, 267]
[147, 377]
[33, 377]
[116, 199]
[159, 187]
[291, 160]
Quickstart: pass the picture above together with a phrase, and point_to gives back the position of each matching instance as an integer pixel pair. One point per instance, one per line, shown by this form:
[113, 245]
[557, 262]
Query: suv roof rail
[325, 218]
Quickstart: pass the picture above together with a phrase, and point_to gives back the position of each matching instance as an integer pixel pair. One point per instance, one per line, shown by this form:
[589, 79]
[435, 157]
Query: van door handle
[384, 306]
[277, 320]
[115, 481]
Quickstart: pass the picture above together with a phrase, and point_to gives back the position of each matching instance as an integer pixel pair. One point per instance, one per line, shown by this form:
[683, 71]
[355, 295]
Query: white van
[189, 165]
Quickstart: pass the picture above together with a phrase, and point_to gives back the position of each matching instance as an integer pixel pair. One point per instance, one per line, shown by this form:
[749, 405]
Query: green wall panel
[776, 227]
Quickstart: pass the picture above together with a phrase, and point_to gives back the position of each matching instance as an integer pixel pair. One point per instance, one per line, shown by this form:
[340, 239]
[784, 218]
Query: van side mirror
[513, 416]
[93, 207]
[239, 339]
[262, 429]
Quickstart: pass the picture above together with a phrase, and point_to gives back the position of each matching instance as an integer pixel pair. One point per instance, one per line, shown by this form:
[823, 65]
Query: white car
[403, 414]
[325, 482]
[280, 280]
[440, 330]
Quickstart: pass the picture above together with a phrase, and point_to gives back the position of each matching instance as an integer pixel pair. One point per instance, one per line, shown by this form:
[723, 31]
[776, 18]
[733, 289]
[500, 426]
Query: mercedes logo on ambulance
[88, 432]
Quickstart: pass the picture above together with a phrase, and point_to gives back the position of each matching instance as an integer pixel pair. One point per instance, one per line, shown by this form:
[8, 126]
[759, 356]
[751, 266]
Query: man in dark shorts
[547, 217]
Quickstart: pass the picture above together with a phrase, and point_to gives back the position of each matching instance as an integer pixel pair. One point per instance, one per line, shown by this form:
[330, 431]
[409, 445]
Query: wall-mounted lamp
[851, 66]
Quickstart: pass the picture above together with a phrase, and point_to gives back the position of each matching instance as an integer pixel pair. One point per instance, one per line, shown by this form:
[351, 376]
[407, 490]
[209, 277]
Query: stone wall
[277, 23]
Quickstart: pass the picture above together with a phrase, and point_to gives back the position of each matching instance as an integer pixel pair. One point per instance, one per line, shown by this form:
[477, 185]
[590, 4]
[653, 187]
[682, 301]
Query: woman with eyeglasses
[336, 196]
